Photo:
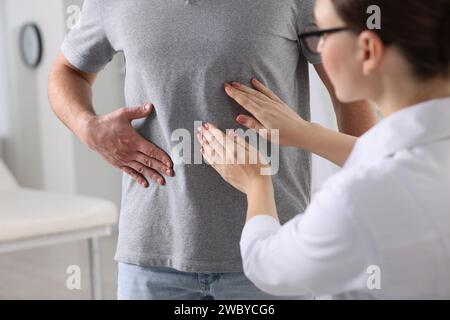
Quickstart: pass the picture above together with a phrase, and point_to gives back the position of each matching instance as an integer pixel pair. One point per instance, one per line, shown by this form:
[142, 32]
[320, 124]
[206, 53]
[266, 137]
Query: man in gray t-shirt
[178, 54]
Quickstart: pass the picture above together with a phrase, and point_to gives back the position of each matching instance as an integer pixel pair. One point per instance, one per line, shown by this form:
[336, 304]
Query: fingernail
[161, 182]
[199, 129]
[206, 125]
[147, 107]
[168, 164]
[235, 84]
[168, 172]
[255, 80]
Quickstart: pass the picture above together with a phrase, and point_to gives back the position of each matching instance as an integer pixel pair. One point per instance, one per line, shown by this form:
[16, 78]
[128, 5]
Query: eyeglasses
[312, 37]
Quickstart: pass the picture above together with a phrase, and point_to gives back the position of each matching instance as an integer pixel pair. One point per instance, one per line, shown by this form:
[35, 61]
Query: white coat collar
[414, 126]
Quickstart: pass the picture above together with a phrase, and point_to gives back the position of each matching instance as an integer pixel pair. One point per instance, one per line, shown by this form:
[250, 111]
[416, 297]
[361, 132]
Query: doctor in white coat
[380, 228]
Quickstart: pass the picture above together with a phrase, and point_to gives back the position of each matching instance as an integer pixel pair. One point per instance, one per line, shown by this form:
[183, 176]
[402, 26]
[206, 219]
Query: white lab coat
[380, 228]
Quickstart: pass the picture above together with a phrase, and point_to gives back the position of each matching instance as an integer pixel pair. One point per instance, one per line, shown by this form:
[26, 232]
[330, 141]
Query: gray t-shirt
[178, 54]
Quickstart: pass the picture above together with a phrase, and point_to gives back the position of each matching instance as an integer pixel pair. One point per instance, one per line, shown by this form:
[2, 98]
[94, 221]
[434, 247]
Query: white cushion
[26, 213]
[7, 181]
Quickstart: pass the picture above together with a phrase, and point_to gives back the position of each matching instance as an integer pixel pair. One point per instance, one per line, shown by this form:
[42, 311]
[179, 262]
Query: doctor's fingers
[249, 122]
[252, 93]
[211, 156]
[239, 141]
[229, 145]
[266, 91]
[248, 102]
[213, 148]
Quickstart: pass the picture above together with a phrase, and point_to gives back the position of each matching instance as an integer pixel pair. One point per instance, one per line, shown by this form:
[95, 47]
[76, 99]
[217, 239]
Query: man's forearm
[112, 135]
[355, 118]
[70, 96]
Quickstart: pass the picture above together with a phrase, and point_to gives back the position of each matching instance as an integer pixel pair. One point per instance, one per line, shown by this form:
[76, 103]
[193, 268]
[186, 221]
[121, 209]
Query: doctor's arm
[353, 120]
[269, 112]
[321, 252]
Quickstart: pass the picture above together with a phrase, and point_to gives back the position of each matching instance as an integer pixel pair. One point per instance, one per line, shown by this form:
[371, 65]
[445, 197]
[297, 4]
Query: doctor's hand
[268, 112]
[239, 163]
[115, 139]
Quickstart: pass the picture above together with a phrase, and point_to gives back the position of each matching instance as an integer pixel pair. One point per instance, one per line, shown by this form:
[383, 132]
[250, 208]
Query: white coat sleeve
[321, 252]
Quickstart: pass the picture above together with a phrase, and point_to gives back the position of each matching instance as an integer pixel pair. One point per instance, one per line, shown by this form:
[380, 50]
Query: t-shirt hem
[183, 265]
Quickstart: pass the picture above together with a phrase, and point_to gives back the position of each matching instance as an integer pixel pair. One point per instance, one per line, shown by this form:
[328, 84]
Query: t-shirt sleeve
[306, 18]
[86, 46]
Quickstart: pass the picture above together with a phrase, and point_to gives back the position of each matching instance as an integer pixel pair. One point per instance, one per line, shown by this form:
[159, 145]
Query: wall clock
[31, 45]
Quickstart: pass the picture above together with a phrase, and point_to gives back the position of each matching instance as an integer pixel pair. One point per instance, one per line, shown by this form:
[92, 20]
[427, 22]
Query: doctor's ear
[371, 50]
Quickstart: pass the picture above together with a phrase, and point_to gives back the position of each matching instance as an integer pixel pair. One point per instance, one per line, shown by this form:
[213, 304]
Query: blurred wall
[3, 80]
[40, 150]
[34, 133]
[42, 153]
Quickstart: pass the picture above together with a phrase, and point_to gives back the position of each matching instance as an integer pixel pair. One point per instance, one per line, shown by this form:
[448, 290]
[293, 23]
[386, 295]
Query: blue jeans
[161, 283]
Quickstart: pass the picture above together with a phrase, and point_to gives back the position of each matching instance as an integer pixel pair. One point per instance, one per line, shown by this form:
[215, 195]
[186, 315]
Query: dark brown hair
[420, 29]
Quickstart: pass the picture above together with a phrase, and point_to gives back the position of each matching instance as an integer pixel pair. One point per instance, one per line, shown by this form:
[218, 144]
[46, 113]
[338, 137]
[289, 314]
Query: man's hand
[111, 135]
[115, 139]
